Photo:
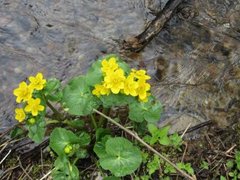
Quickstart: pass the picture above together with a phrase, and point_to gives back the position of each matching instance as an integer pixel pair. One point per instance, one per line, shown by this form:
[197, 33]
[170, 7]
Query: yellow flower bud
[32, 121]
[68, 149]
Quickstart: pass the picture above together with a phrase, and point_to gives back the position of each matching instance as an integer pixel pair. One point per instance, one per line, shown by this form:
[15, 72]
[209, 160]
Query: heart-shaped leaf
[61, 137]
[77, 97]
[122, 157]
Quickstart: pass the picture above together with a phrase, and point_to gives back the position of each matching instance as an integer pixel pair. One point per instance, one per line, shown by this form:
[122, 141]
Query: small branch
[145, 144]
[5, 156]
[20, 164]
[137, 43]
[46, 175]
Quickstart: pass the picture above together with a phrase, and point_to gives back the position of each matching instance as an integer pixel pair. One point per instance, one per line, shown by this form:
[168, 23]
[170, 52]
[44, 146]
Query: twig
[230, 149]
[184, 153]
[198, 126]
[145, 144]
[20, 164]
[5, 156]
[209, 141]
[184, 132]
[137, 43]
[46, 175]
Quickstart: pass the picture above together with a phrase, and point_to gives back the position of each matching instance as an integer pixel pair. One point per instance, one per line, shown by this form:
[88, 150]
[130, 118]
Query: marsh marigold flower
[100, 89]
[140, 74]
[142, 89]
[109, 65]
[130, 86]
[37, 82]
[34, 106]
[115, 81]
[20, 114]
[23, 92]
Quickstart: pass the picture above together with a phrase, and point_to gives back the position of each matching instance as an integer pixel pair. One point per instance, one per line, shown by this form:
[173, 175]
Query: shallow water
[194, 61]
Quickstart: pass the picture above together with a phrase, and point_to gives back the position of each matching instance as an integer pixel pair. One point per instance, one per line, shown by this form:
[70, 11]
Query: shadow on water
[194, 61]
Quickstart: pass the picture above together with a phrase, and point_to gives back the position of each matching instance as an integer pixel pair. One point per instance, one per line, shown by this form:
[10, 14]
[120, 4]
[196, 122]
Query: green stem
[59, 116]
[52, 122]
[93, 122]
[75, 160]
[135, 135]
[102, 120]
[56, 112]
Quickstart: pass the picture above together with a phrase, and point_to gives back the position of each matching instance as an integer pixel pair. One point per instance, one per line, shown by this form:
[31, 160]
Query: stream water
[194, 61]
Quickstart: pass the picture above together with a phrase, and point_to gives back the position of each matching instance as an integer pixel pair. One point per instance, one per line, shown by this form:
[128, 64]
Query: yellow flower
[19, 114]
[37, 82]
[140, 74]
[100, 89]
[34, 106]
[145, 99]
[23, 92]
[130, 86]
[142, 89]
[110, 65]
[115, 81]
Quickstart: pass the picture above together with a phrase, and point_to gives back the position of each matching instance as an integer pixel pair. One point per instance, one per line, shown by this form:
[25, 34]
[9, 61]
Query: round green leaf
[99, 147]
[136, 111]
[78, 98]
[153, 113]
[61, 137]
[123, 158]
[149, 111]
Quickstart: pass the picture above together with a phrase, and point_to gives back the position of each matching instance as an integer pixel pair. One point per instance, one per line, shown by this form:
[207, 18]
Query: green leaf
[153, 165]
[187, 167]
[149, 111]
[123, 158]
[101, 132]
[162, 132]
[85, 139]
[124, 66]
[52, 85]
[61, 137]
[153, 113]
[52, 90]
[229, 164]
[204, 165]
[99, 147]
[153, 129]
[176, 140]
[77, 123]
[164, 140]
[111, 178]
[136, 111]
[81, 153]
[222, 178]
[37, 131]
[16, 132]
[116, 100]
[94, 75]
[160, 135]
[237, 159]
[78, 98]
[64, 170]
[169, 169]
